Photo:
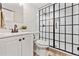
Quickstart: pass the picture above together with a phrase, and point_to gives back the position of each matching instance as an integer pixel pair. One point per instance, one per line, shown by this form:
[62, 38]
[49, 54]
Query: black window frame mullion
[49, 25]
[42, 24]
[39, 24]
[59, 26]
[53, 20]
[45, 24]
[53, 25]
[72, 27]
[65, 26]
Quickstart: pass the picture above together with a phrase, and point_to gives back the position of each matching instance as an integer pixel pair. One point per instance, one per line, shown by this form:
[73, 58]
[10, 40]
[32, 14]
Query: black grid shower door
[59, 24]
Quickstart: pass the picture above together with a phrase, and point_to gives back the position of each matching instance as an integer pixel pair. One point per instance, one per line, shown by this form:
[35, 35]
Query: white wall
[27, 14]
[30, 11]
[18, 10]
[9, 18]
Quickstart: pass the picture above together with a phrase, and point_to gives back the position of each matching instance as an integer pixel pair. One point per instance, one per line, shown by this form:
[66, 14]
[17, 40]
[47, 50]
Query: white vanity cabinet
[21, 45]
[13, 46]
[27, 45]
[10, 46]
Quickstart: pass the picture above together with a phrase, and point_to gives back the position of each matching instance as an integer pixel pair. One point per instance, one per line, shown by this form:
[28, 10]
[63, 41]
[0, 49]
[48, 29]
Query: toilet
[41, 46]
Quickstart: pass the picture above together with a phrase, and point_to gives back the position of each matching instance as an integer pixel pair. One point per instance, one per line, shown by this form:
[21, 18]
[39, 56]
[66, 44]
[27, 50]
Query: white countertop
[4, 35]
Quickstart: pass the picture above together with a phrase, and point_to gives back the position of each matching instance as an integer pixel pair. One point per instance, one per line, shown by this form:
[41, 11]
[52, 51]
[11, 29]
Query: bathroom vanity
[16, 44]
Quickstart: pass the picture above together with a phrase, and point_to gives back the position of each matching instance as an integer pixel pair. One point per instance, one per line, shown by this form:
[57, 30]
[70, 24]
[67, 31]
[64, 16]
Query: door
[27, 45]
[13, 46]
[10, 47]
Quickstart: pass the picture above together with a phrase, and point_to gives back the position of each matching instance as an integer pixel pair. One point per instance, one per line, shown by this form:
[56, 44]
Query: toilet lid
[42, 42]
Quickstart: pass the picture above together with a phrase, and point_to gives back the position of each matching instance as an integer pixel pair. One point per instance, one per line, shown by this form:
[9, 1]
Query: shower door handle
[56, 25]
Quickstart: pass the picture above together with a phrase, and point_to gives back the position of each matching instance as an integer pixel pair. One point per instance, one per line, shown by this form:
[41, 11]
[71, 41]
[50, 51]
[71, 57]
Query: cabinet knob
[78, 48]
[23, 38]
[19, 39]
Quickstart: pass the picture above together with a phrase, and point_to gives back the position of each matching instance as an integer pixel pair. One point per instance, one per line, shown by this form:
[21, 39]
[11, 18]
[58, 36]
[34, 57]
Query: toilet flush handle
[34, 36]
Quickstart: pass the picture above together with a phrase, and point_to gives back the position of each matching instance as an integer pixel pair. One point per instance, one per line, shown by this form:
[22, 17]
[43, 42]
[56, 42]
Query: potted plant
[23, 27]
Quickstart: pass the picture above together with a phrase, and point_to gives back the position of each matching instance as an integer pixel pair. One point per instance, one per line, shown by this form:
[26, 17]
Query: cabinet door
[10, 47]
[27, 45]
[13, 46]
[2, 47]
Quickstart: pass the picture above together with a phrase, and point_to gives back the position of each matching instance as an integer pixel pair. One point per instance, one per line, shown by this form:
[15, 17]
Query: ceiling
[38, 5]
[16, 6]
[12, 6]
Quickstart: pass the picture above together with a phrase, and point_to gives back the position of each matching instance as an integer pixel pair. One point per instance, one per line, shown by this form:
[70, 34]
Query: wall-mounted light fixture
[20, 4]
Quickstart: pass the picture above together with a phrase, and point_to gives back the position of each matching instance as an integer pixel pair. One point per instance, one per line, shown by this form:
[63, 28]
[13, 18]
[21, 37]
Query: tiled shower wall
[59, 24]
